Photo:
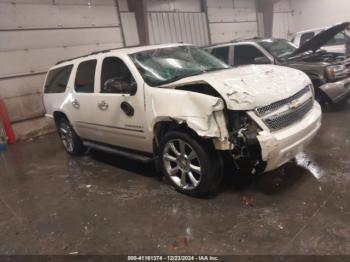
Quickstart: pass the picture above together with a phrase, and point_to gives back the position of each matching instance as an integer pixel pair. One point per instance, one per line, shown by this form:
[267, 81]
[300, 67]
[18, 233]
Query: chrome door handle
[103, 105]
[75, 103]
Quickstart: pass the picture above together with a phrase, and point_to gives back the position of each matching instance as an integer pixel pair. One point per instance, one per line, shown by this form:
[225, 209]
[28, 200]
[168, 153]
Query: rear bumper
[279, 147]
[338, 90]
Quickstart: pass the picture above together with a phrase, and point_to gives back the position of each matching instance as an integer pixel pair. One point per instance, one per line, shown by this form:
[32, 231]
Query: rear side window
[221, 53]
[306, 37]
[85, 77]
[57, 79]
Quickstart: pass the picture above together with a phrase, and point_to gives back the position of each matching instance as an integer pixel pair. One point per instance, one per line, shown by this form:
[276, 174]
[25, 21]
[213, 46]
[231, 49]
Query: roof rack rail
[212, 45]
[93, 53]
[245, 39]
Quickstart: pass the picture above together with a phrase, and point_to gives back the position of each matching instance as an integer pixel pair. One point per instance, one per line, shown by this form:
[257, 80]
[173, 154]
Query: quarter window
[57, 79]
[116, 77]
[85, 78]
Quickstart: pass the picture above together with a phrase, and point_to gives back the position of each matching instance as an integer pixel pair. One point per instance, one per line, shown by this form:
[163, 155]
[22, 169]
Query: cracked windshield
[166, 65]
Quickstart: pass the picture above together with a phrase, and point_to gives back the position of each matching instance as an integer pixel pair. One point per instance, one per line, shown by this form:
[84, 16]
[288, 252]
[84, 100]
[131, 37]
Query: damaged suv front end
[287, 127]
[260, 115]
[269, 136]
[269, 119]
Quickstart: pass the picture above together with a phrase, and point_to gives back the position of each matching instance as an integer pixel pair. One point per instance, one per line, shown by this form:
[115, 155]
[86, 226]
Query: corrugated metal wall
[177, 21]
[232, 19]
[35, 34]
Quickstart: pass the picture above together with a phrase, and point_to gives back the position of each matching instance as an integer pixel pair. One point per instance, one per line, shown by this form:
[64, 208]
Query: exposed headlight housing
[335, 72]
[312, 89]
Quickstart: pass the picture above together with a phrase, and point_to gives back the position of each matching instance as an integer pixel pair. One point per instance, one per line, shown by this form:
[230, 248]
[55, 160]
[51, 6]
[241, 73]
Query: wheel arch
[58, 115]
[161, 128]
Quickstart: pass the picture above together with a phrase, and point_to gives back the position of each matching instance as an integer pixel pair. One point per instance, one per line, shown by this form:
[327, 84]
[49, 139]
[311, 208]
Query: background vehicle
[329, 72]
[337, 44]
[183, 107]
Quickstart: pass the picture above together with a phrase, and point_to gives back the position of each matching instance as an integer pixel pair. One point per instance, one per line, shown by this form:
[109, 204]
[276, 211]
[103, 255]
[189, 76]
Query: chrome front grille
[285, 112]
[262, 111]
[287, 118]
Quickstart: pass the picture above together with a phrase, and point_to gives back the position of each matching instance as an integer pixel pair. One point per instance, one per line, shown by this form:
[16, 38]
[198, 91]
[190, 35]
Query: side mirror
[263, 60]
[131, 88]
[119, 86]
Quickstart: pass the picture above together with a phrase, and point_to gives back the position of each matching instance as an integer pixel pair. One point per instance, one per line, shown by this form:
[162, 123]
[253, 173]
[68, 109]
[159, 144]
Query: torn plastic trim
[203, 114]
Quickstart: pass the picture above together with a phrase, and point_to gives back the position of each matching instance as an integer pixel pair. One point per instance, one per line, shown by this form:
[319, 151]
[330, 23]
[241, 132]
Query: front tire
[71, 141]
[191, 165]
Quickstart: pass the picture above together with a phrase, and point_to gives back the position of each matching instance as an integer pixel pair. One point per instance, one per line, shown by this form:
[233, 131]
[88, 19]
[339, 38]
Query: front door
[120, 114]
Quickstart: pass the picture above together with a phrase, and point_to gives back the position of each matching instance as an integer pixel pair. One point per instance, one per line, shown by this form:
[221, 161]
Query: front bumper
[277, 148]
[338, 90]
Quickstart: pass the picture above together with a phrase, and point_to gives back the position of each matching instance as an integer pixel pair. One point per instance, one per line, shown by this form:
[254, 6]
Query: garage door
[178, 27]
[177, 21]
[232, 19]
[36, 34]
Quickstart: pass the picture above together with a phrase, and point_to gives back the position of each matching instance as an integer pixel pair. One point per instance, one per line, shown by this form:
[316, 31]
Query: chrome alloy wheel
[182, 164]
[66, 134]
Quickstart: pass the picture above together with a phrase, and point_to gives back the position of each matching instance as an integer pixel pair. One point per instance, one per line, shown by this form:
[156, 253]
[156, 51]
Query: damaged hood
[248, 87]
[321, 39]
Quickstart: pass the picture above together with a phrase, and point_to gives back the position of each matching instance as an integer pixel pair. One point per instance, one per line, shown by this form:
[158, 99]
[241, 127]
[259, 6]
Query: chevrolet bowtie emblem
[294, 104]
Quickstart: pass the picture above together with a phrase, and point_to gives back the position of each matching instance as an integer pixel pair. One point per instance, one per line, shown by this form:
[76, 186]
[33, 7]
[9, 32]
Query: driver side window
[116, 77]
[247, 55]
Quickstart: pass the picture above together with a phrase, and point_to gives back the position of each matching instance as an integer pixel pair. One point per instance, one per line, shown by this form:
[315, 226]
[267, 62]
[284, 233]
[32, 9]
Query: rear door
[82, 100]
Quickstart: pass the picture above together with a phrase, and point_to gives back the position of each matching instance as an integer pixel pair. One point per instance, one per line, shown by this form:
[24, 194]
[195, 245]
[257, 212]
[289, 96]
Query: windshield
[279, 48]
[166, 65]
[339, 39]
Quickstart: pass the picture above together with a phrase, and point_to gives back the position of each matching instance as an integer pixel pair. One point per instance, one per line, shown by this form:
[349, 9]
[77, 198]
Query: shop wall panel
[225, 32]
[170, 27]
[173, 6]
[39, 60]
[22, 16]
[37, 39]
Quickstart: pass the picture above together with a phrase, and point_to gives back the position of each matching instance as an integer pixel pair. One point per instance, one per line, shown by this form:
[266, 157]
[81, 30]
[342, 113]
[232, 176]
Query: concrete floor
[52, 203]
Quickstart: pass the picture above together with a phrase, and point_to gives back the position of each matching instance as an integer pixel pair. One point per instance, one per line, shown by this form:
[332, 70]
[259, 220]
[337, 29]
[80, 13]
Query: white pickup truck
[184, 108]
[337, 44]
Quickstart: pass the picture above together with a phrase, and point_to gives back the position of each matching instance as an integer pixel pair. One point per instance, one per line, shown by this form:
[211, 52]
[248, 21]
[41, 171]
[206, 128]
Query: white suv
[183, 107]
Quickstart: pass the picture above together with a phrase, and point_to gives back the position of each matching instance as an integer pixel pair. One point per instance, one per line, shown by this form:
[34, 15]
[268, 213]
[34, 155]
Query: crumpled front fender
[202, 113]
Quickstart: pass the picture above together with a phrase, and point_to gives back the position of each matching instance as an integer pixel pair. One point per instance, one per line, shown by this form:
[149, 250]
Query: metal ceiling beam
[266, 8]
[139, 7]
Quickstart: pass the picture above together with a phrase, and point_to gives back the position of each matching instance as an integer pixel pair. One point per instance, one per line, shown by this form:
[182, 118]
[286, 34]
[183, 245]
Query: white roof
[120, 51]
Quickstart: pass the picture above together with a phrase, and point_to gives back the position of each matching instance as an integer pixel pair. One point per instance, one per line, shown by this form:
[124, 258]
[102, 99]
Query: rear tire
[71, 141]
[191, 165]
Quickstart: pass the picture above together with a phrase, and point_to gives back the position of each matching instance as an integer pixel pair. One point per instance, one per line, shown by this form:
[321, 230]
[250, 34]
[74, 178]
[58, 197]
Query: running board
[120, 152]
